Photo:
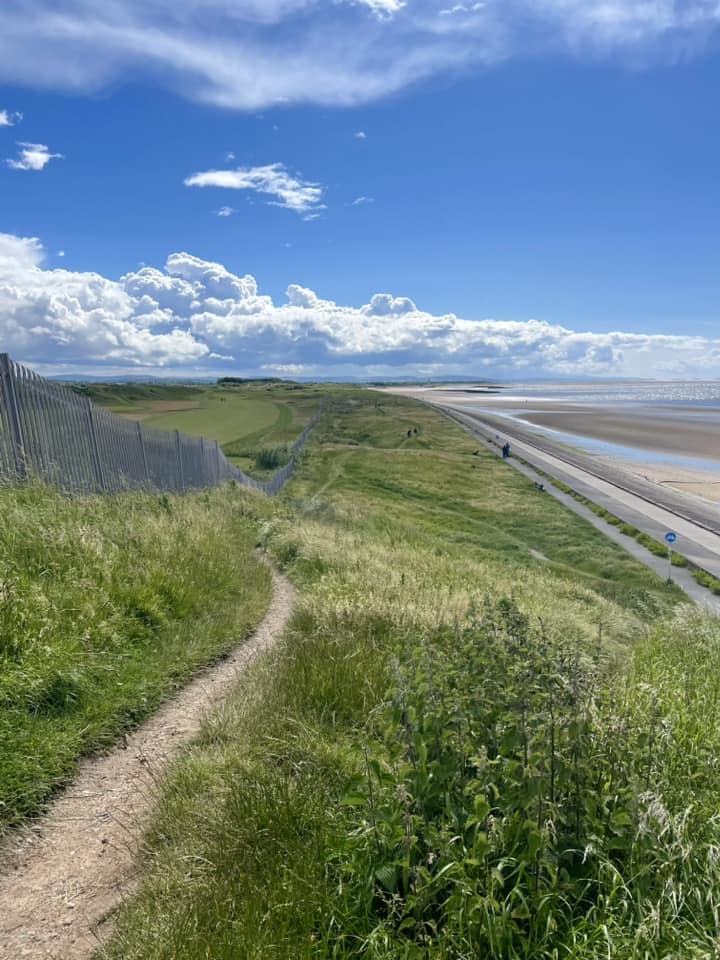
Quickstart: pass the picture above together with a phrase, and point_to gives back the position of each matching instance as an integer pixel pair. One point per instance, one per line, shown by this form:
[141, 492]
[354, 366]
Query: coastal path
[651, 508]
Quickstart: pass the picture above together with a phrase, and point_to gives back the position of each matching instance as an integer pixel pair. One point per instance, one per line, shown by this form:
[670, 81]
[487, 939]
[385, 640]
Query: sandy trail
[61, 877]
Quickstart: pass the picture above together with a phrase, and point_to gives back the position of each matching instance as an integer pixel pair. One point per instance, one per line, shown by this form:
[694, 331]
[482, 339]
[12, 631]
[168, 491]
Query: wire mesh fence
[50, 432]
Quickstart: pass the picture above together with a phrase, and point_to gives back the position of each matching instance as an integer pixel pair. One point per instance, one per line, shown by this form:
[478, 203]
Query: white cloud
[60, 253]
[361, 135]
[384, 8]
[286, 369]
[195, 314]
[252, 54]
[362, 201]
[32, 156]
[462, 8]
[58, 315]
[273, 180]
[225, 212]
[8, 119]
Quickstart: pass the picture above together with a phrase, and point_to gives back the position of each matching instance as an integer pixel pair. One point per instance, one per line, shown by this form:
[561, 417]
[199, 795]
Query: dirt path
[61, 877]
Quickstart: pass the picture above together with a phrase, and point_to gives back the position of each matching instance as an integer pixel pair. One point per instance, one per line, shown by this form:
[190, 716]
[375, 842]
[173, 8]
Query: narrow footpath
[61, 877]
[697, 544]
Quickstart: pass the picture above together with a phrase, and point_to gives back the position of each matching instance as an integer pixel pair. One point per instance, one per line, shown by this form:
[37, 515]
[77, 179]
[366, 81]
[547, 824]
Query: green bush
[707, 580]
[270, 458]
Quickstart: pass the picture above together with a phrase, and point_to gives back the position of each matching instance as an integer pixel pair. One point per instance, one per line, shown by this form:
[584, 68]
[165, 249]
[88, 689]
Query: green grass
[488, 732]
[706, 580]
[244, 418]
[107, 604]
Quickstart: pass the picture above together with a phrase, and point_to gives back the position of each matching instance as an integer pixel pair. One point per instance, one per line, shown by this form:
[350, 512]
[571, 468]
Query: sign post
[670, 539]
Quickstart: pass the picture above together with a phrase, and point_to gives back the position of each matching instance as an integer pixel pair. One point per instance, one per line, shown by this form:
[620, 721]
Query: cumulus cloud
[32, 156]
[225, 212]
[8, 119]
[196, 314]
[252, 54]
[361, 135]
[274, 180]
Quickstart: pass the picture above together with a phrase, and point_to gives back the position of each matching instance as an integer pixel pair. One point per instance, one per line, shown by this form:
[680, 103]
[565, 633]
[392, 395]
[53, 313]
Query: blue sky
[530, 186]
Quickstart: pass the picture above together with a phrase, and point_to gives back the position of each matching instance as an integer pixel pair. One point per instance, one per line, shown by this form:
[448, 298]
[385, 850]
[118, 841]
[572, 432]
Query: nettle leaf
[387, 877]
[353, 800]
[481, 808]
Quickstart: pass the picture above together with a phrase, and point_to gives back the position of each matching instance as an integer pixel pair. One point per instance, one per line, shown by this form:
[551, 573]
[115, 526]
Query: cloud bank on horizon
[244, 55]
[195, 316]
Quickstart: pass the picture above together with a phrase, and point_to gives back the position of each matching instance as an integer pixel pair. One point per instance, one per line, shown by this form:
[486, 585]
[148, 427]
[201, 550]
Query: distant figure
[506, 450]
[416, 431]
[409, 433]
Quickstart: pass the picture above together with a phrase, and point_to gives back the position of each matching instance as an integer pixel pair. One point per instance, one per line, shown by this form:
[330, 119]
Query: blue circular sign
[671, 537]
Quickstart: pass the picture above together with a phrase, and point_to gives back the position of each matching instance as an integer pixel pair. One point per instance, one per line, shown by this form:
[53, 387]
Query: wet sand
[674, 445]
[683, 432]
[698, 483]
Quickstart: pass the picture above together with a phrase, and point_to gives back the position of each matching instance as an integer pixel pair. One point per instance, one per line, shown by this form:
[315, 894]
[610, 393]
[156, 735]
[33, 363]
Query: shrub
[270, 458]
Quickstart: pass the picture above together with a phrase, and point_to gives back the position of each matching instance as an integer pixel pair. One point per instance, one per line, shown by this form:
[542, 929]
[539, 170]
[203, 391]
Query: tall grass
[106, 605]
[459, 749]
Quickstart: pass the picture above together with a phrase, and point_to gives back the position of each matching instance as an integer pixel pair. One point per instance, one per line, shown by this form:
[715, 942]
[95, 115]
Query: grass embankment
[255, 423]
[486, 734]
[107, 604]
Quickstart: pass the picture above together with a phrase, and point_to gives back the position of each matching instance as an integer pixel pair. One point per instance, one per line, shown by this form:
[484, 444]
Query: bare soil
[62, 877]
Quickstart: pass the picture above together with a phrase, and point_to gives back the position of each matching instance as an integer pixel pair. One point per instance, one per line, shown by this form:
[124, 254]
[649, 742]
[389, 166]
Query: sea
[700, 393]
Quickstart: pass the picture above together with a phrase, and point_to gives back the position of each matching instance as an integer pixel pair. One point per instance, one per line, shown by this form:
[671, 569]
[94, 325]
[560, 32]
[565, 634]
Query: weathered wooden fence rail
[52, 433]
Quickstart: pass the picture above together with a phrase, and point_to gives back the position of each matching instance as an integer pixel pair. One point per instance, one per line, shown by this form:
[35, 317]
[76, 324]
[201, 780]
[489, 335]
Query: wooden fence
[50, 432]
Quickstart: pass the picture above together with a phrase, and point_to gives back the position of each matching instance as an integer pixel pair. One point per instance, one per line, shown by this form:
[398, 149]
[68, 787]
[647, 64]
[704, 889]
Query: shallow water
[606, 449]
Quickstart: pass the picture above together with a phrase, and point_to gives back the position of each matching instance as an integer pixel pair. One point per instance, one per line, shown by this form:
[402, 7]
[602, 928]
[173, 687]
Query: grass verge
[107, 604]
[701, 576]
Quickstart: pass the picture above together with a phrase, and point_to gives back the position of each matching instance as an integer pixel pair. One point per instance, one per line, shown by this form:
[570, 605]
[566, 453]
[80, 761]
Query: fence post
[18, 442]
[97, 463]
[141, 440]
[179, 459]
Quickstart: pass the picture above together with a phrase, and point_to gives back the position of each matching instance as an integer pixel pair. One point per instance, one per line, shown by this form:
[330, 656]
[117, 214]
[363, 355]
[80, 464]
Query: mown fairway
[245, 418]
[488, 732]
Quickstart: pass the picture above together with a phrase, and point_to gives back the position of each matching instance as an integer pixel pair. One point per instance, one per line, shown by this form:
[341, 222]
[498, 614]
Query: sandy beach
[674, 445]
[698, 483]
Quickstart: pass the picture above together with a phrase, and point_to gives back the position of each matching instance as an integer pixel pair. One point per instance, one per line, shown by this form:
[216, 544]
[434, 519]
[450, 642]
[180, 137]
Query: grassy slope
[106, 605]
[380, 785]
[244, 418]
